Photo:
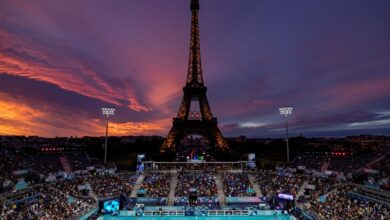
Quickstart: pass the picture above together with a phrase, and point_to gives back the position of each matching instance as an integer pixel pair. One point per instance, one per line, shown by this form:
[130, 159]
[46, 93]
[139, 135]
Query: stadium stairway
[172, 188]
[255, 185]
[325, 166]
[301, 190]
[377, 160]
[137, 185]
[219, 184]
[91, 192]
[65, 164]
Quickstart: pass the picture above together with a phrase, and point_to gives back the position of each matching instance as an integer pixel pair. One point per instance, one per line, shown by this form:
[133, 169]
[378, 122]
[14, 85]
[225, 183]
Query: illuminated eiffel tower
[199, 122]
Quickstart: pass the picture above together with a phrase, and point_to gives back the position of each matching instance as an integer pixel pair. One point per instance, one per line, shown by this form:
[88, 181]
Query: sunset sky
[61, 61]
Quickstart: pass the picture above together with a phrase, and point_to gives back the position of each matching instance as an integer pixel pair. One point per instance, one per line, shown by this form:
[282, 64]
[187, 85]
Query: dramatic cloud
[19, 118]
[61, 61]
[28, 59]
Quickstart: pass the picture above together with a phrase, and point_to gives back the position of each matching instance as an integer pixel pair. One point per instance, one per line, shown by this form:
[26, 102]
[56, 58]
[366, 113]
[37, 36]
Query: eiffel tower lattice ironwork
[194, 90]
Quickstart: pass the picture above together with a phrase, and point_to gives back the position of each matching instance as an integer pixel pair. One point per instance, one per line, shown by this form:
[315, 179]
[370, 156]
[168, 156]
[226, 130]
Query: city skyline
[61, 62]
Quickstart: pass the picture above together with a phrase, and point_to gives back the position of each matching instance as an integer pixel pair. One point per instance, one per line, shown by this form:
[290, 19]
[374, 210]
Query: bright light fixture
[107, 111]
[287, 110]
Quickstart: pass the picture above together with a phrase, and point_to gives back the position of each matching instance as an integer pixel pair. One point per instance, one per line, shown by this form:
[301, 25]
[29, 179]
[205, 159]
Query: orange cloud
[26, 58]
[20, 118]
[139, 128]
[17, 118]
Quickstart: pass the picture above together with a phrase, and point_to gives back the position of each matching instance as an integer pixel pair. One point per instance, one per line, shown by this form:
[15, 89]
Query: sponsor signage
[151, 199]
[242, 200]
[285, 196]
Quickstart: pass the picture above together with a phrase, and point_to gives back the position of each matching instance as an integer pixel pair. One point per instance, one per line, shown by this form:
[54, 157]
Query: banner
[210, 199]
[127, 213]
[51, 178]
[141, 192]
[328, 172]
[153, 200]
[19, 172]
[371, 171]
[252, 160]
[285, 196]
[21, 184]
[310, 186]
[322, 198]
[242, 200]
[82, 187]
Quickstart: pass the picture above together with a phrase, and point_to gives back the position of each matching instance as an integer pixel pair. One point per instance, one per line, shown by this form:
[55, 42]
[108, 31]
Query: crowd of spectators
[338, 205]
[203, 182]
[11, 162]
[47, 202]
[111, 185]
[156, 184]
[237, 185]
[66, 198]
[321, 186]
[16, 165]
[324, 197]
[270, 183]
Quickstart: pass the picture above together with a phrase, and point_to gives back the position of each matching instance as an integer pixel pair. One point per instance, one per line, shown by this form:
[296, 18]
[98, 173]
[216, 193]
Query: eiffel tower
[189, 122]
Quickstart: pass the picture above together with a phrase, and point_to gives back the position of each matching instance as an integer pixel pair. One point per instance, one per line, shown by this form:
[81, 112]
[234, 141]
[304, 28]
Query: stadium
[70, 185]
[194, 172]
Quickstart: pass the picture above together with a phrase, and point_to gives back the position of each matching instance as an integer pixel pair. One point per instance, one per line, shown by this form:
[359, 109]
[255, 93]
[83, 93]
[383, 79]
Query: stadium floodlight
[286, 110]
[107, 111]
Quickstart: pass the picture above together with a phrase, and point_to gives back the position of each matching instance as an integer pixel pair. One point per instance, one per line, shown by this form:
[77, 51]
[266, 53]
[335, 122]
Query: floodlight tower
[107, 111]
[286, 110]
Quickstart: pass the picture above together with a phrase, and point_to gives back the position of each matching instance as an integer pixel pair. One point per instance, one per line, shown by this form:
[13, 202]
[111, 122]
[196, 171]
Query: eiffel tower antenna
[194, 90]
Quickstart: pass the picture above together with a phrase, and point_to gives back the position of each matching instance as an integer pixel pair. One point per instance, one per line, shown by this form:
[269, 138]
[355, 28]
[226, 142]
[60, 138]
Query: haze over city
[60, 62]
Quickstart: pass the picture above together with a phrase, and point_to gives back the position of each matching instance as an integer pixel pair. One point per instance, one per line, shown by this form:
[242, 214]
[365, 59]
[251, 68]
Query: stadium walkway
[65, 164]
[137, 185]
[172, 188]
[301, 190]
[219, 184]
[91, 192]
[255, 185]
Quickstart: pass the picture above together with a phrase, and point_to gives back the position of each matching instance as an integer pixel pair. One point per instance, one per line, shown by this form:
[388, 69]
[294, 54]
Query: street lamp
[107, 111]
[286, 110]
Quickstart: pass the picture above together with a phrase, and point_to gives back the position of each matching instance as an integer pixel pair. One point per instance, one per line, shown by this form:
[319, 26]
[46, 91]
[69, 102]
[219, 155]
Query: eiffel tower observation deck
[201, 120]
